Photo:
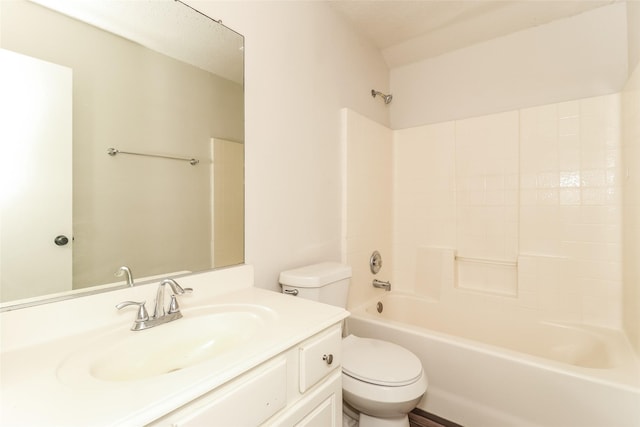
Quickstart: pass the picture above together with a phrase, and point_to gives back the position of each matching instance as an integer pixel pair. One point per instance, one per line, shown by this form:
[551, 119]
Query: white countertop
[33, 391]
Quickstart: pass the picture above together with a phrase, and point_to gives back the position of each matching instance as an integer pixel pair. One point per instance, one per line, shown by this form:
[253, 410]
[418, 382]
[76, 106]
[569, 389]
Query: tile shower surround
[544, 190]
[538, 186]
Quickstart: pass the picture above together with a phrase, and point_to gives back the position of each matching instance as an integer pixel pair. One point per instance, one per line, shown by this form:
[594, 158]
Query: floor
[420, 418]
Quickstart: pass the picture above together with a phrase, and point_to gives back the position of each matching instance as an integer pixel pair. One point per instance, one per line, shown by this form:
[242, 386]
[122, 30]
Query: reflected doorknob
[61, 240]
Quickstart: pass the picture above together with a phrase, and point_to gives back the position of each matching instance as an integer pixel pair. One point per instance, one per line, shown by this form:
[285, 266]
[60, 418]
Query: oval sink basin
[202, 334]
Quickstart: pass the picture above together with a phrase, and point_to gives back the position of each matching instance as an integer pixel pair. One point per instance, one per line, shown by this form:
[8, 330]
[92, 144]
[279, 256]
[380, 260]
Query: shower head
[386, 98]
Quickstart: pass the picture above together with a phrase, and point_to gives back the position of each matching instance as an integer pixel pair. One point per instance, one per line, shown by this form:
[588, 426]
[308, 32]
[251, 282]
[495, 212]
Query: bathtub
[495, 368]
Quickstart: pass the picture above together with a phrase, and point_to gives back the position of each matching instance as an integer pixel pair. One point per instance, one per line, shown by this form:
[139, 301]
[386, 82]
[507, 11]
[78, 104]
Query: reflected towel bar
[113, 151]
[488, 261]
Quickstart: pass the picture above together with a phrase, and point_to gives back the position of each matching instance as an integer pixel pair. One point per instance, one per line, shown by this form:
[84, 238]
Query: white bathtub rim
[477, 389]
[625, 377]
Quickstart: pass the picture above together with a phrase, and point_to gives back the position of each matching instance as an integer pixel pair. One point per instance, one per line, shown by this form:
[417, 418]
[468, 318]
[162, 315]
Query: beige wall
[131, 210]
[631, 235]
[368, 190]
[572, 58]
[303, 64]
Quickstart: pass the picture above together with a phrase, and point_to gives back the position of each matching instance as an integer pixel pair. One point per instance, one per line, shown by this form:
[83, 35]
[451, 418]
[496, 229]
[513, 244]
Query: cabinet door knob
[328, 358]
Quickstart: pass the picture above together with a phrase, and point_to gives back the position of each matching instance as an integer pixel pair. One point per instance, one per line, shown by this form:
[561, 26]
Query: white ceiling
[411, 30]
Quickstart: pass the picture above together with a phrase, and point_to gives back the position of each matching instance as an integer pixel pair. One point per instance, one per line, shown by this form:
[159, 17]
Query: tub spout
[380, 284]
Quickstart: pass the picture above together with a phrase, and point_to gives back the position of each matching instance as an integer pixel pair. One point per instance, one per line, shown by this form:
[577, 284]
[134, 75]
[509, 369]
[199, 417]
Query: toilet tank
[326, 282]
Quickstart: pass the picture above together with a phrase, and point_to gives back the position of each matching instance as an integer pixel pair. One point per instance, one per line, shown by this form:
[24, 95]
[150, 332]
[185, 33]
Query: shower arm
[386, 98]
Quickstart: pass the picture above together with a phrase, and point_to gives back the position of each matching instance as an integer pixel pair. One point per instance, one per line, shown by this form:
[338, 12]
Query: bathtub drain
[379, 307]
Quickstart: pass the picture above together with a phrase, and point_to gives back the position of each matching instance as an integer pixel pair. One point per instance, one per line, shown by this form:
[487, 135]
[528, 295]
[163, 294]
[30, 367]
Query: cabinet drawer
[319, 357]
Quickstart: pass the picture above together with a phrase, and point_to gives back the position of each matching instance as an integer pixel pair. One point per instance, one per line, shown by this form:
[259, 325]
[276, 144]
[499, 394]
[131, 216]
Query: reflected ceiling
[221, 53]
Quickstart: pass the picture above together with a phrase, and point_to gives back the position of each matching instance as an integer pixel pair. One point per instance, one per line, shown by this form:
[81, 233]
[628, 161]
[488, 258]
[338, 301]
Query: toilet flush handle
[293, 292]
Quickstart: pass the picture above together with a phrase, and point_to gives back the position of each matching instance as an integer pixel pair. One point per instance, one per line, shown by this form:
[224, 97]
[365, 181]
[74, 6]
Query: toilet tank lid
[316, 275]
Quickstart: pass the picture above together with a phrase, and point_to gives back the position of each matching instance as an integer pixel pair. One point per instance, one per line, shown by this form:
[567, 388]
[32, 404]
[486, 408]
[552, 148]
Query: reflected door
[35, 177]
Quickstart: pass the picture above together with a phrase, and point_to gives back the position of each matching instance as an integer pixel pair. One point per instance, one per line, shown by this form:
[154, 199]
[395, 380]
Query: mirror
[103, 106]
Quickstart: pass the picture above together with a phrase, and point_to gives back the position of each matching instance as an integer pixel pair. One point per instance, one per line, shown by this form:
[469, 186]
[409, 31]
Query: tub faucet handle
[382, 285]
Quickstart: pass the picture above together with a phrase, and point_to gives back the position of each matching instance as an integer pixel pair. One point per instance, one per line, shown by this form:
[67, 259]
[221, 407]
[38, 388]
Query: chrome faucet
[158, 310]
[380, 284]
[125, 270]
[160, 316]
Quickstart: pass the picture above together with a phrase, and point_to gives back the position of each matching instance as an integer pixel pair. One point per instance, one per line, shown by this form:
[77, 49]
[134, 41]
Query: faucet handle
[381, 284]
[185, 290]
[173, 305]
[142, 310]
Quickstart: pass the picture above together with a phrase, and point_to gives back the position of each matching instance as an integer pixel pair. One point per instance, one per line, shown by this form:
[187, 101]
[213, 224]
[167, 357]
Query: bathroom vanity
[240, 356]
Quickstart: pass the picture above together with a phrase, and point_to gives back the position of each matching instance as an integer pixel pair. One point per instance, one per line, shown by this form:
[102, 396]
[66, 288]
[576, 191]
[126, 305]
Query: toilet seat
[379, 362]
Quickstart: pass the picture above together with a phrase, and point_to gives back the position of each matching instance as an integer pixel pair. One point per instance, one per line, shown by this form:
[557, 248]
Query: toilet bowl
[381, 381]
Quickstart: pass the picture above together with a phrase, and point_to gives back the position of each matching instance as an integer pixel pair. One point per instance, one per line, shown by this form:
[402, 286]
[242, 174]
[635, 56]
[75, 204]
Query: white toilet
[381, 381]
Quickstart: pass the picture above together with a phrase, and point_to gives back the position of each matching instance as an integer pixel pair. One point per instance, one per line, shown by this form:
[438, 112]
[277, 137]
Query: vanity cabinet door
[319, 407]
[322, 416]
[247, 401]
